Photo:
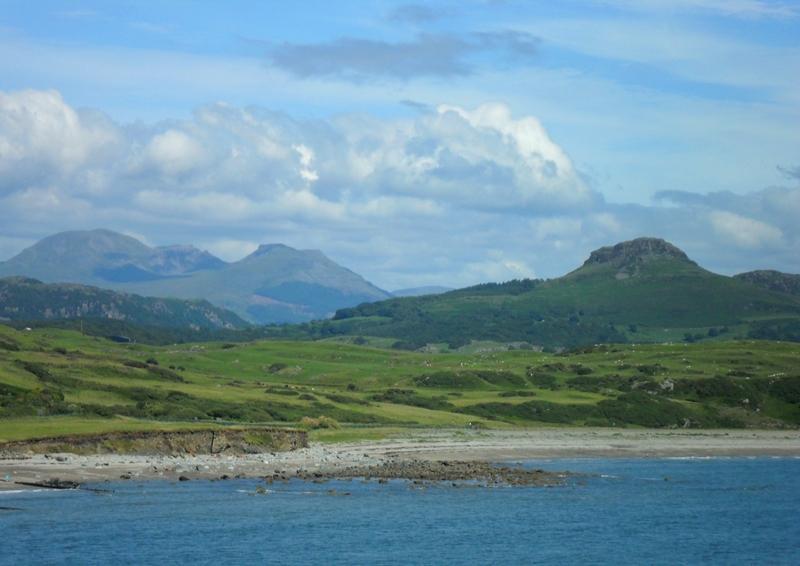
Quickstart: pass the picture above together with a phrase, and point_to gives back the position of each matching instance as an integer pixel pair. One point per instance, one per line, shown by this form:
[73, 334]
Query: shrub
[409, 397]
[518, 394]
[450, 380]
[542, 379]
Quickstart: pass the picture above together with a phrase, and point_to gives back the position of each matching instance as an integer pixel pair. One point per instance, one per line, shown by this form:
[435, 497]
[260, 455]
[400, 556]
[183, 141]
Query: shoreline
[425, 446]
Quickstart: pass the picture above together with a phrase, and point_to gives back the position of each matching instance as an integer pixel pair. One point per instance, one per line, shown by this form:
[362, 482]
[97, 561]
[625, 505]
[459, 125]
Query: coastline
[423, 445]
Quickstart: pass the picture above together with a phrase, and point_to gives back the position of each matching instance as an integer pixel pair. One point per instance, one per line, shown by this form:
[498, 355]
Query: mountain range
[644, 290]
[274, 284]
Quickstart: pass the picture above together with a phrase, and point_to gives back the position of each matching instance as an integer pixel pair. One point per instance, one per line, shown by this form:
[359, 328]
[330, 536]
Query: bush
[409, 397]
[542, 379]
[518, 394]
[450, 380]
[165, 373]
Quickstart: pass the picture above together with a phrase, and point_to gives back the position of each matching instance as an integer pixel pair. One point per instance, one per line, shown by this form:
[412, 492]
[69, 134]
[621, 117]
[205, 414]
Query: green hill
[25, 299]
[643, 290]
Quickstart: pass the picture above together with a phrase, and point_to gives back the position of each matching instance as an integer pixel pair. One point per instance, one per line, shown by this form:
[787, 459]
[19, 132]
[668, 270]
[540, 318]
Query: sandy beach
[456, 445]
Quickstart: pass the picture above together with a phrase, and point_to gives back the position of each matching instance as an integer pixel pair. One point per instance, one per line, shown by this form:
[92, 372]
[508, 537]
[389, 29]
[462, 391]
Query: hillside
[274, 284]
[56, 382]
[420, 291]
[25, 299]
[642, 290]
[788, 283]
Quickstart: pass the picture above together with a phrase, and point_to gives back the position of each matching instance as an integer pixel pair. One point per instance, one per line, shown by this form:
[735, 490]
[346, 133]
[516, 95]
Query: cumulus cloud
[427, 55]
[42, 138]
[743, 231]
[174, 152]
[450, 196]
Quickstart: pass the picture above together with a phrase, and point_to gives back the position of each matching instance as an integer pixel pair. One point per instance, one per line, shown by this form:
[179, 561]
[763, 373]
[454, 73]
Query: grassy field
[60, 382]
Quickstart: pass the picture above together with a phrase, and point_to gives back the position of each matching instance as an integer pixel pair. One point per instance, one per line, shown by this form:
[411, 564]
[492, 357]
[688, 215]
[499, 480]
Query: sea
[613, 511]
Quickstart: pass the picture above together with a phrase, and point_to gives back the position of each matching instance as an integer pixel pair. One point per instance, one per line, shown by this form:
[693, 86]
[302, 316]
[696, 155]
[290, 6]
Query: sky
[439, 143]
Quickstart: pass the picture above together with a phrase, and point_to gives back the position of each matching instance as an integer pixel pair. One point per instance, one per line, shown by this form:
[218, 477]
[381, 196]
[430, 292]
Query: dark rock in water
[183, 478]
[10, 509]
[51, 484]
[421, 471]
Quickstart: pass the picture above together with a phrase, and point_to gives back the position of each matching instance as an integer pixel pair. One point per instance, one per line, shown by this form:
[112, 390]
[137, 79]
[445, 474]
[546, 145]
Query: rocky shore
[432, 455]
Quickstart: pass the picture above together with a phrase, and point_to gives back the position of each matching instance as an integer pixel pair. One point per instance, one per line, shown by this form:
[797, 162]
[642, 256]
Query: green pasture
[61, 382]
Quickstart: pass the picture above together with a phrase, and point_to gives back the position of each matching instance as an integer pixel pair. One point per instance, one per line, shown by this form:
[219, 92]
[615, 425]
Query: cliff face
[167, 443]
[636, 251]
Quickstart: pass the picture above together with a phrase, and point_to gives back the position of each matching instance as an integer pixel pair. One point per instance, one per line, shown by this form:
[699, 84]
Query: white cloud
[744, 232]
[497, 267]
[43, 138]
[174, 152]
[454, 196]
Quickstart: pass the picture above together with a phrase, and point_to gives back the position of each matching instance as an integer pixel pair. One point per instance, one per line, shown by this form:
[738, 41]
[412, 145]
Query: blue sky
[494, 139]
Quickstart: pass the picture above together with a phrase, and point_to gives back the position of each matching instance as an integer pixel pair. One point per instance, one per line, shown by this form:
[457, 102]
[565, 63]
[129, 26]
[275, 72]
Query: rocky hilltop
[636, 251]
[788, 283]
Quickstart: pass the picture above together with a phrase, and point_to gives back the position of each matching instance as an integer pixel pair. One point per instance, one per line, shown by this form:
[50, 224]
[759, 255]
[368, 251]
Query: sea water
[619, 511]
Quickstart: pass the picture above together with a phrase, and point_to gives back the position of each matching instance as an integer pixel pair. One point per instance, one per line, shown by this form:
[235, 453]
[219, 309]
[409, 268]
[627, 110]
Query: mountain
[101, 257]
[641, 290]
[27, 299]
[788, 283]
[420, 291]
[275, 283]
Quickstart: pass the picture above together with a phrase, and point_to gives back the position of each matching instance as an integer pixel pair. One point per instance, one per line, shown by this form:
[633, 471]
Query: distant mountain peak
[276, 283]
[636, 251]
[264, 249]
